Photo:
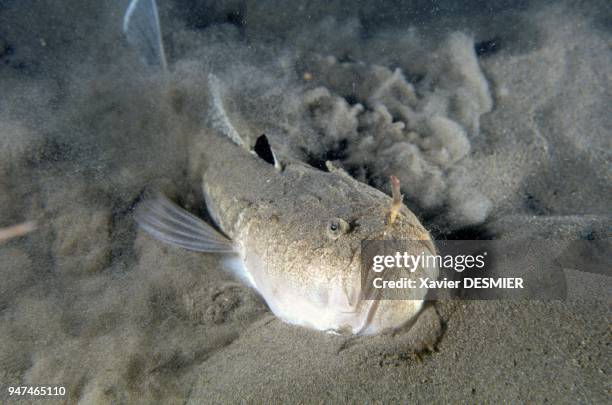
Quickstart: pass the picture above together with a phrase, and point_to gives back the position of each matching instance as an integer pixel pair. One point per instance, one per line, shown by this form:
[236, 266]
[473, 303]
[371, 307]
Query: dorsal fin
[263, 150]
[142, 30]
[219, 119]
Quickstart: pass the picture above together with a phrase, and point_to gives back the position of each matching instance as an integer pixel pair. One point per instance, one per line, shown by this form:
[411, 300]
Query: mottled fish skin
[278, 217]
[279, 223]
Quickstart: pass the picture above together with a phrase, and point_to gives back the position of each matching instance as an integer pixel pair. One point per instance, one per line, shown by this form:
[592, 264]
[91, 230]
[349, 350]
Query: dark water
[492, 114]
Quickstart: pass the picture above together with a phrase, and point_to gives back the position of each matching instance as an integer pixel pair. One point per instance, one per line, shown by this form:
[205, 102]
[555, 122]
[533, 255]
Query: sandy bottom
[495, 119]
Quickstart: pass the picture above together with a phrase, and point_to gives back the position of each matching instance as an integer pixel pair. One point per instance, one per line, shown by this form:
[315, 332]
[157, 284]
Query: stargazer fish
[290, 231]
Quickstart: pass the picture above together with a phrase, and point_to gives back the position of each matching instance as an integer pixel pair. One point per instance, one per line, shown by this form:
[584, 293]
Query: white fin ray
[167, 222]
[219, 119]
[142, 30]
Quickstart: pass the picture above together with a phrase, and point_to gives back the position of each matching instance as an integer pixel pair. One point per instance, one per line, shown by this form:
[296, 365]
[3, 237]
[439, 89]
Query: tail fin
[142, 30]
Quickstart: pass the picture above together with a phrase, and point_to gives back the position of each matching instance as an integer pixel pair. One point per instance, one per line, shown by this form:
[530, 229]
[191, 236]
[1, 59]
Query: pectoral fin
[167, 222]
[142, 30]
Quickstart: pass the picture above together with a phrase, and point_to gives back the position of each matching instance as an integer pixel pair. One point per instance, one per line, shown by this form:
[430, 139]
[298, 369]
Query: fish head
[304, 256]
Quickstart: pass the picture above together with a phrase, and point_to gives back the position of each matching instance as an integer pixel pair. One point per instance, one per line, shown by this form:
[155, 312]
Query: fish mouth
[360, 310]
[367, 304]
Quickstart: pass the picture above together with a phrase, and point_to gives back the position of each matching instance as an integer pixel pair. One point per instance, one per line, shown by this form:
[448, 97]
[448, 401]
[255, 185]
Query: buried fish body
[293, 232]
[294, 236]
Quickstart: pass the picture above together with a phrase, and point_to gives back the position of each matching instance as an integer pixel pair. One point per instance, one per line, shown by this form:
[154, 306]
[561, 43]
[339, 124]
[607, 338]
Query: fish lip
[359, 307]
[367, 309]
[370, 310]
[356, 258]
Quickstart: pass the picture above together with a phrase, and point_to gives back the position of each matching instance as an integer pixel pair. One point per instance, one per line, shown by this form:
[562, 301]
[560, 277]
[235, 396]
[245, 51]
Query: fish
[288, 230]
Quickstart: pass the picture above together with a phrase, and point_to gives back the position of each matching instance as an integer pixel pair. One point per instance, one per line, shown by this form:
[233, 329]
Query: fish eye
[336, 227]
